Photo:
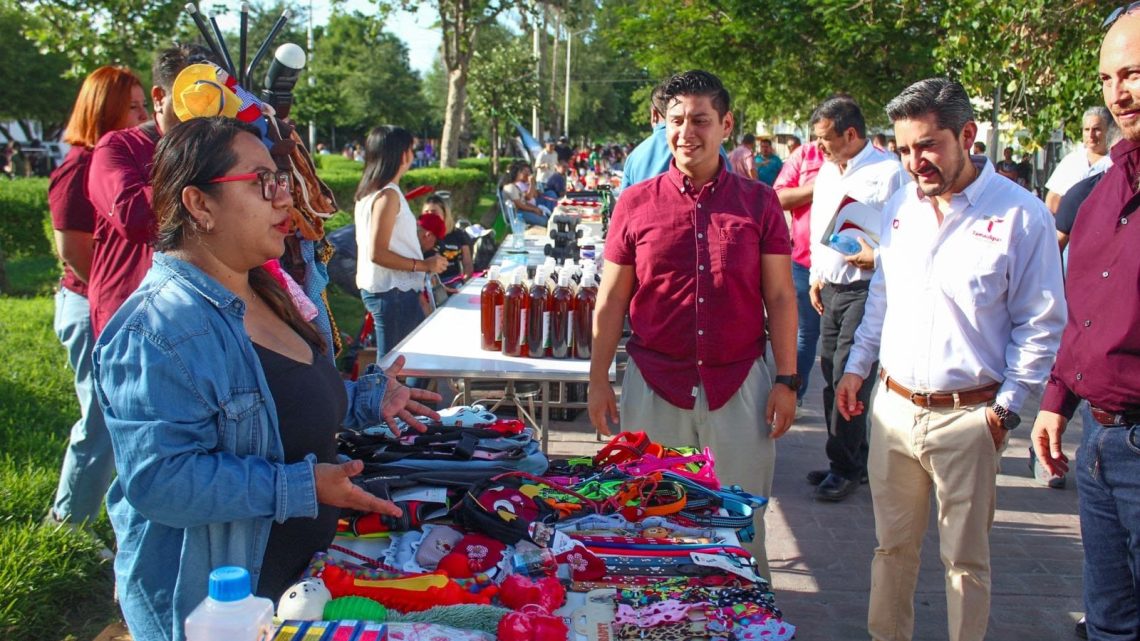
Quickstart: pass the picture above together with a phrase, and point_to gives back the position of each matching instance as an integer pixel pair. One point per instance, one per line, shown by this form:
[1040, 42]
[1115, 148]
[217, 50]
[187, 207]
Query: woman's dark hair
[383, 154]
[515, 169]
[191, 154]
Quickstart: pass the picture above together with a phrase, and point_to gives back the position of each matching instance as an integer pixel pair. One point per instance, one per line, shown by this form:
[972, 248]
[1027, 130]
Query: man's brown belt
[1115, 419]
[961, 398]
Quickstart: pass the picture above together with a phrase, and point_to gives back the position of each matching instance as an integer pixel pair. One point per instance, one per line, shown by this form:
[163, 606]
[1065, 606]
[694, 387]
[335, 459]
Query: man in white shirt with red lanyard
[965, 316]
[856, 178]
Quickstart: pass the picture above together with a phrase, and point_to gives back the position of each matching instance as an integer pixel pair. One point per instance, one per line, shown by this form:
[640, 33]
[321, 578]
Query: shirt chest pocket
[977, 280]
[242, 427]
[736, 244]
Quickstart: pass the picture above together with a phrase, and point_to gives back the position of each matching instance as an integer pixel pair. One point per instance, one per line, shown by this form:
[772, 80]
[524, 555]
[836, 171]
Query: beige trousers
[737, 434]
[915, 450]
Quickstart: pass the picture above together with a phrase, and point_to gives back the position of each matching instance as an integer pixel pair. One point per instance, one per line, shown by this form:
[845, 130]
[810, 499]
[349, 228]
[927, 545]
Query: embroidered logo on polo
[993, 227]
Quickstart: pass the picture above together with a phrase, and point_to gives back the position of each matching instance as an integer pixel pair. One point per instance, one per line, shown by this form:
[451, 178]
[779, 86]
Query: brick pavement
[820, 553]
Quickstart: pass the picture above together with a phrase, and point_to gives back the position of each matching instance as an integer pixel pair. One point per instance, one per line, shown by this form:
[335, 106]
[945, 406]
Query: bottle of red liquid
[491, 312]
[514, 316]
[584, 302]
[562, 317]
[538, 315]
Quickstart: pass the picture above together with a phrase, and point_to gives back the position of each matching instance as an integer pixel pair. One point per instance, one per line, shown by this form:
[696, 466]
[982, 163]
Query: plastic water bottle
[844, 244]
[230, 612]
[518, 232]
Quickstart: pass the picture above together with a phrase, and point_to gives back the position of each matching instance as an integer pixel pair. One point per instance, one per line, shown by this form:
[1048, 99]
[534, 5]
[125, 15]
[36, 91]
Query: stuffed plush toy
[304, 601]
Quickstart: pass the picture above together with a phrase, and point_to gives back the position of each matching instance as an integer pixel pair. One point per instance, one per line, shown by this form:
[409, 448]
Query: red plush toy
[532, 624]
[518, 591]
[474, 553]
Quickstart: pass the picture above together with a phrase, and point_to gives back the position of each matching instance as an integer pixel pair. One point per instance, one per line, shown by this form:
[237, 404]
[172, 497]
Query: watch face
[1011, 421]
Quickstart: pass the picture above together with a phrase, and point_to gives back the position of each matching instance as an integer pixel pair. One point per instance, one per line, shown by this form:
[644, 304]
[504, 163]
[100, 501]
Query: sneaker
[1042, 475]
[1081, 629]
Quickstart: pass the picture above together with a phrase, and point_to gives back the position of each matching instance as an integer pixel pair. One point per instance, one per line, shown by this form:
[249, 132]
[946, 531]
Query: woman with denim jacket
[222, 414]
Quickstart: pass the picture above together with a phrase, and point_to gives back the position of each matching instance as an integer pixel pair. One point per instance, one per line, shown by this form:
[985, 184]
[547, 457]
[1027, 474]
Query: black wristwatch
[793, 381]
[1009, 420]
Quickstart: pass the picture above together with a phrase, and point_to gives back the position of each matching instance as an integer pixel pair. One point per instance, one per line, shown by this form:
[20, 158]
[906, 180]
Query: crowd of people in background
[165, 226]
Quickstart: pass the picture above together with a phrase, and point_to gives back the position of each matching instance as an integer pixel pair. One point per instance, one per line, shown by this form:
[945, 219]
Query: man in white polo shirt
[852, 186]
[965, 316]
[1090, 159]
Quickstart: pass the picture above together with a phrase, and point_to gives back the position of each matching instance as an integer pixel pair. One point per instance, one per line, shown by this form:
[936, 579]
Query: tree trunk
[453, 117]
[495, 148]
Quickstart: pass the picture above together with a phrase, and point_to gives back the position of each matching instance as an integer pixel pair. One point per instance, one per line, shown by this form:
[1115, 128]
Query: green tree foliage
[782, 57]
[779, 58]
[34, 84]
[362, 78]
[502, 87]
[92, 33]
[460, 21]
[1042, 54]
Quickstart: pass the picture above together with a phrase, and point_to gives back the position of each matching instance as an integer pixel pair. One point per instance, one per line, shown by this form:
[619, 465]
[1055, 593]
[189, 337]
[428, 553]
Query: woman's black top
[311, 403]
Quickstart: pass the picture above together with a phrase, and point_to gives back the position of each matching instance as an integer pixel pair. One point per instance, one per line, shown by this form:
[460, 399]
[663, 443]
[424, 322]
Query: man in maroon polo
[696, 256]
[118, 185]
[1099, 359]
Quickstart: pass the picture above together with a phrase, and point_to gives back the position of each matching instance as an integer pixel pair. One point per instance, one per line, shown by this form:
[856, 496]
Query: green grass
[52, 583]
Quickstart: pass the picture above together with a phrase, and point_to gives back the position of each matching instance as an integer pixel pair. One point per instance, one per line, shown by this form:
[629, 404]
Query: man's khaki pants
[737, 434]
[914, 450]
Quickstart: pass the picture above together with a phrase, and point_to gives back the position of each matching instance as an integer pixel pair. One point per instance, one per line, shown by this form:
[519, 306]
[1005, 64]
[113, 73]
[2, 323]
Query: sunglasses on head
[1119, 13]
[271, 181]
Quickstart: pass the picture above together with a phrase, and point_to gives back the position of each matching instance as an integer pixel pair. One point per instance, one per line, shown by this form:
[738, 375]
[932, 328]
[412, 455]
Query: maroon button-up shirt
[1099, 359]
[118, 184]
[697, 312]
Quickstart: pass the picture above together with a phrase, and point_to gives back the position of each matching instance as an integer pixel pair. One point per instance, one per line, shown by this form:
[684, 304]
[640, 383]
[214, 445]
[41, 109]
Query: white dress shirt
[977, 300]
[1074, 168]
[871, 177]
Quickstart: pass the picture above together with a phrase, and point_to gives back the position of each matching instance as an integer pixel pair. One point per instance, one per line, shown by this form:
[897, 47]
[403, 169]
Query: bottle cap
[564, 278]
[494, 273]
[519, 274]
[229, 583]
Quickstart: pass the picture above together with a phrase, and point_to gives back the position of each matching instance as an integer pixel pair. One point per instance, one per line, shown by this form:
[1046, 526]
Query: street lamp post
[566, 104]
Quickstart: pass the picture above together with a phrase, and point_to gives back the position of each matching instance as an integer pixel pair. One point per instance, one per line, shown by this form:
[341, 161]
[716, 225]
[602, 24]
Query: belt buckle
[925, 396]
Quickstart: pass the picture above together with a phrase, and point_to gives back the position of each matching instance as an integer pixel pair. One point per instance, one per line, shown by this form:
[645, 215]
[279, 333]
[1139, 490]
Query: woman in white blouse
[390, 268]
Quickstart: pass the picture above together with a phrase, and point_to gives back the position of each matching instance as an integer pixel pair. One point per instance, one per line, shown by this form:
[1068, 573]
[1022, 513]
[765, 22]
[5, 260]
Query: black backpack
[484, 250]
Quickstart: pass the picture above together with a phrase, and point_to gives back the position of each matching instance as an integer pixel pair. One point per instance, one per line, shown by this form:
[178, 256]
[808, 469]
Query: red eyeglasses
[271, 181]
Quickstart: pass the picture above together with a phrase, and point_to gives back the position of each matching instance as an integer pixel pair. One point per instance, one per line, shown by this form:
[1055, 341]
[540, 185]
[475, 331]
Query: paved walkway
[820, 553]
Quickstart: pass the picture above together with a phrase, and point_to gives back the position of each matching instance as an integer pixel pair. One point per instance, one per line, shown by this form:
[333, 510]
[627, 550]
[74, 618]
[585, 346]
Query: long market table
[447, 345]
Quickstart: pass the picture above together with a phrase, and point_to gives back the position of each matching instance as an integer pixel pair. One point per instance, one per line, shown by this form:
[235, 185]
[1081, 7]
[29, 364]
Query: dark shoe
[815, 477]
[1081, 630]
[835, 488]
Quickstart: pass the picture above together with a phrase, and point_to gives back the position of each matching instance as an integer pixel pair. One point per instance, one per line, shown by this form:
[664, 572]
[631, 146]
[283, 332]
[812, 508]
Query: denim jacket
[196, 441]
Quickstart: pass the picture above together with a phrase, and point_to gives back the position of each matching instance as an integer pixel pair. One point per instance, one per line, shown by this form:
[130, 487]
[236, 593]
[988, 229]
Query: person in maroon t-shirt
[697, 255]
[118, 184]
[111, 98]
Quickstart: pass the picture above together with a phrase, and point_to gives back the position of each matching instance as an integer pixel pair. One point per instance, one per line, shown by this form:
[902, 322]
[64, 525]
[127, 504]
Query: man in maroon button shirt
[118, 185]
[696, 255]
[1099, 359]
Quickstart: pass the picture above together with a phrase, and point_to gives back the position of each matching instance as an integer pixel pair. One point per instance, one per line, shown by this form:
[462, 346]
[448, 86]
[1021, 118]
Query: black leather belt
[858, 285]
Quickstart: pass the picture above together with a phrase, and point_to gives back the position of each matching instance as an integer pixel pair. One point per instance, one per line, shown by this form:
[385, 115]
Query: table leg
[545, 412]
